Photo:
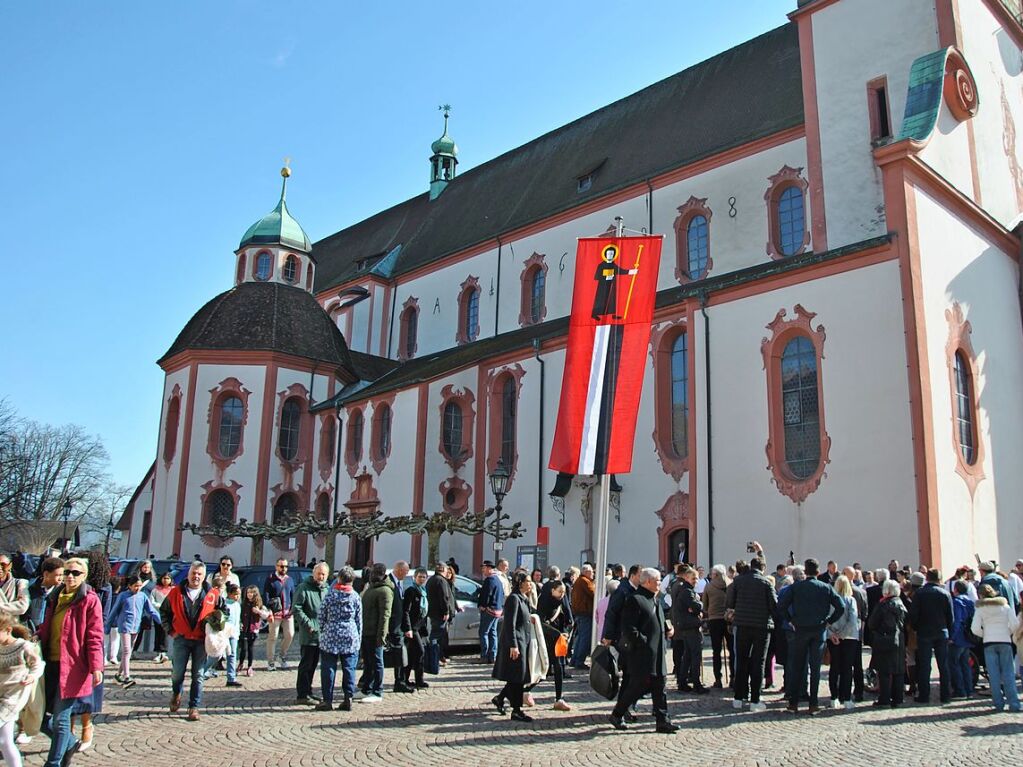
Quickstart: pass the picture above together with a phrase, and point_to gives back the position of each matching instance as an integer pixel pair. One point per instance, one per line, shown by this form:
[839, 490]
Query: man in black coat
[395, 635]
[645, 634]
[755, 606]
[438, 600]
[930, 614]
[687, 643]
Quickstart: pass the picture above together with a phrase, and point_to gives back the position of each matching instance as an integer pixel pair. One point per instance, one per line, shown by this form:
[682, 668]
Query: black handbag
[431, 658]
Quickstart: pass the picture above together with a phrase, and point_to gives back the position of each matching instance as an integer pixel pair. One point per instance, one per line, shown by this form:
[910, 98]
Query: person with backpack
[887, 624]
[960, 641]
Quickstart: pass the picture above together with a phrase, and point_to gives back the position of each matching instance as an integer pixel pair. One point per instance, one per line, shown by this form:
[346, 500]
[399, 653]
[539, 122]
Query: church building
[836, 360]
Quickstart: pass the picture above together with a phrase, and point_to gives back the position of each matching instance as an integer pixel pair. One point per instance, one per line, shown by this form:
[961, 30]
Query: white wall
[865, 507]
[854, 42]
[997, 63]
[957, 265]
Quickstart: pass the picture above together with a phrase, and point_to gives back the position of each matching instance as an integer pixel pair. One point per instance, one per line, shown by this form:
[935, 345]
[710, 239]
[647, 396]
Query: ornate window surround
[408, 309]
[495, 391]
[171, 427]
[471, 284]
[782, 331]
[661, 340]
[465, 399]
[533, 264]
[377, 458]
[674, 515]
[352, 458]
[325, 460]
[959, 341]
[693, 207]
[229, 387]
[208, 489]
[294, 392]
[777, 184]
[454, 495]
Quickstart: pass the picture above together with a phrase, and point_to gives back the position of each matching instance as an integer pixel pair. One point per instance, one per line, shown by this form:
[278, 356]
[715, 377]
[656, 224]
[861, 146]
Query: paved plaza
[453, 723]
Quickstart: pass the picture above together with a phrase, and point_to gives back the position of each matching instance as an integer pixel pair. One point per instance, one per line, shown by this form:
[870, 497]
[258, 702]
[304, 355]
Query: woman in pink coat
[71, 640]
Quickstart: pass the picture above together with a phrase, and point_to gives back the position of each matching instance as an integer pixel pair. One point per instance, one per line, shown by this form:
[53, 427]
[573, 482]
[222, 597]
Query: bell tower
[444, 159]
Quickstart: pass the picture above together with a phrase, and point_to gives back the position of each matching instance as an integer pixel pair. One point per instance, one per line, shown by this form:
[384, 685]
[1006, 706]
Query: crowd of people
[59, 630]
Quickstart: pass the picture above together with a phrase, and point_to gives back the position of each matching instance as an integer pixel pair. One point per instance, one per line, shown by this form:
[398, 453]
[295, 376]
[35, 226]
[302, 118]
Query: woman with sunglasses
[71, 639]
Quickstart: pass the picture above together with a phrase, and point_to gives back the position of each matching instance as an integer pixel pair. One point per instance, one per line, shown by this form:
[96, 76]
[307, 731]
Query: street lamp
[110, 532]
[67, 516]
[499, 487]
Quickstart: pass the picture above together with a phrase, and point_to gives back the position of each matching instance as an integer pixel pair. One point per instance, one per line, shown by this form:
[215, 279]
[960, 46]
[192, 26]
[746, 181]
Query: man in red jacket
[183, 613]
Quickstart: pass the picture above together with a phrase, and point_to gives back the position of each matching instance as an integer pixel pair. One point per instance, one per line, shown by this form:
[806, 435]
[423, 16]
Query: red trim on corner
[419, 470]
[265, 451]
[815, 169]
[949, 32]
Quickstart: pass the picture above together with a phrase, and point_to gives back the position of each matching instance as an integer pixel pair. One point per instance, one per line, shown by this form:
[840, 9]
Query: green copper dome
[278, 227]
[445, 144]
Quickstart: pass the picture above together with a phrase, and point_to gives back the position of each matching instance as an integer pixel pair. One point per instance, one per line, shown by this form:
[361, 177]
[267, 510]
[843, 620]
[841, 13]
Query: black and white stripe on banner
[600, 399]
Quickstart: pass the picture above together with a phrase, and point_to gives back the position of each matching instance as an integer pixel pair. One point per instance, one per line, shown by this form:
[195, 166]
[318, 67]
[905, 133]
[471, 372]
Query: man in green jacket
[306, 608]
[376, 615]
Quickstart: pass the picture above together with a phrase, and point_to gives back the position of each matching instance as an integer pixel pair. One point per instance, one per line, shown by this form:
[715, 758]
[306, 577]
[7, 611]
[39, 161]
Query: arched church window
[219, 508]
[290, 269]
[229, 438]
[287, 440]
[264, 266]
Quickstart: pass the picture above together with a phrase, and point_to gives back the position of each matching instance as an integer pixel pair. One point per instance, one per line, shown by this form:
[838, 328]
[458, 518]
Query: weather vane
[445, 108]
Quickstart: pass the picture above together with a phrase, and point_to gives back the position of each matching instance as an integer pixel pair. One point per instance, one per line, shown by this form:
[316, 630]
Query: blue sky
[140, 140]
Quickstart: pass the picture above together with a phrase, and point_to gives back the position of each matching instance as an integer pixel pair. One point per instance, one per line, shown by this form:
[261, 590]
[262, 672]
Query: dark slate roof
[746, 93]
[265, 316]
[370, 367]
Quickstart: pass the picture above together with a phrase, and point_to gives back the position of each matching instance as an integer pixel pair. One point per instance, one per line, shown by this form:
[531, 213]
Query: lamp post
[110, 532]
[499, 487]
[67, 516]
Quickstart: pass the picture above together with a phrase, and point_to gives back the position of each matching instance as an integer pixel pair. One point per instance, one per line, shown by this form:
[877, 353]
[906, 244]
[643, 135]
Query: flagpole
[601, 521]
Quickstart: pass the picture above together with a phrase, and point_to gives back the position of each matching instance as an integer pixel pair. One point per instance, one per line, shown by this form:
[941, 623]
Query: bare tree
[43, 466]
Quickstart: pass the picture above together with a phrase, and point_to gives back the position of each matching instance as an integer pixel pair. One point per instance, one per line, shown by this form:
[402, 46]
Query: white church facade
[836, 361]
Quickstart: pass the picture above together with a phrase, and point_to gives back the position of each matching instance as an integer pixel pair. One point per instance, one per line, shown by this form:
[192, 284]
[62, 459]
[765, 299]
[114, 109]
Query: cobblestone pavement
[260, 725]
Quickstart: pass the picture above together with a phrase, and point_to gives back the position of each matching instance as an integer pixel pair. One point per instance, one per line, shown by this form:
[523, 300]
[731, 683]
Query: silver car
[464, 630]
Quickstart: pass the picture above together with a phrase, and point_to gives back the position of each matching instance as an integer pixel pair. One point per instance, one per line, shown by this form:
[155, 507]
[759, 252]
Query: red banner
[609, 331]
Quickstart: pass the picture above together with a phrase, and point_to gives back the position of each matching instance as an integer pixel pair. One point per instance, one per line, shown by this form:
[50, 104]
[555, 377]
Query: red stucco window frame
[229, 387]
[172, 422]
[693, 207]
[378, 454]
[208, 488]
[495, 405]
[661, 341]
[409, 310]
[465, 400]
[531, 266]
[959, 342]
[465, 290]
[782, 331]
[355, 440]
[777, 184]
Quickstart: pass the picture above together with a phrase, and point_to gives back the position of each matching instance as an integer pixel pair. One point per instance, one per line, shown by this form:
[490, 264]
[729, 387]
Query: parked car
[464, 629]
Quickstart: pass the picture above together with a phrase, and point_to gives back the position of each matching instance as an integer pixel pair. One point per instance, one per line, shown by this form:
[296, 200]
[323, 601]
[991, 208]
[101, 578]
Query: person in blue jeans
[491, 601]
[960, 642]
[995, 622]
[340, 619]
[810, 606]
[930, 614]
[377, 602]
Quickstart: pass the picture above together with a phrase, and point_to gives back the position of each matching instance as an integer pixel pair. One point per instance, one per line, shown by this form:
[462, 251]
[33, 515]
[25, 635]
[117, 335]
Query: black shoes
[667, 727]
[422, 685]
[519, 716]
[499, 704]
[684, 688]
[402, 687]
[618, 722]
[717, 684]
[630, 717]
[346, 704]
[323, 707]
[700, 689]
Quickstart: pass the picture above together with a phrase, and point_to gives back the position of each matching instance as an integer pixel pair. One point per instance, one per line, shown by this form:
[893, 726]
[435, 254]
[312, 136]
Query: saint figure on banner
[605, 302]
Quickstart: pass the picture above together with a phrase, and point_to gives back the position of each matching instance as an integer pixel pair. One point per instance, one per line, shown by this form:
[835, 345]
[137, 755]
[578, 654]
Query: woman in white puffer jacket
[995, 622]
